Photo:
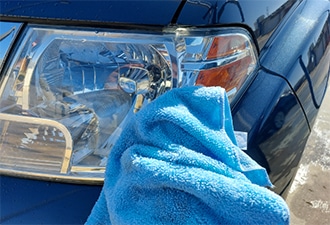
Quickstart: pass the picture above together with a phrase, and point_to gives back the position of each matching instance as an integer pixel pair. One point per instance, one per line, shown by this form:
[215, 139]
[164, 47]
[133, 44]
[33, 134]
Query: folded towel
[177, 162]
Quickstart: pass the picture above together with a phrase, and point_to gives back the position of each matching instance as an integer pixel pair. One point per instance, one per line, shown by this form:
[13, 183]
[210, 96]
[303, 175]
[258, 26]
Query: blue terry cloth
[177, 162]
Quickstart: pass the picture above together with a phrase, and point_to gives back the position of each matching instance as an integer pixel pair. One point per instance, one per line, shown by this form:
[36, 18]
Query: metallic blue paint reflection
[276, 126]
[298, 52]
[262, 17]
[158, 12]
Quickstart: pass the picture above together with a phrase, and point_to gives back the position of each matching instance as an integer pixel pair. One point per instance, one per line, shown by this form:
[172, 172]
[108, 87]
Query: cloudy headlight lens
[68, 93]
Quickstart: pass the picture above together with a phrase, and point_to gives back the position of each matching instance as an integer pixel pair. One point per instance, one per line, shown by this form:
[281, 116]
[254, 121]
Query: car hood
[261, 17]
[148, 12]
[143, 12]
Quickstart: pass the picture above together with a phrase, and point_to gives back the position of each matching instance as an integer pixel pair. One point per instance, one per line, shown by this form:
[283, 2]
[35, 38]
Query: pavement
[309, 197]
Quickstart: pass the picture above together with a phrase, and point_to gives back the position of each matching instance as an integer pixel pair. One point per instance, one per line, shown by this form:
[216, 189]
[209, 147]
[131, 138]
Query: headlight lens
[68, 93]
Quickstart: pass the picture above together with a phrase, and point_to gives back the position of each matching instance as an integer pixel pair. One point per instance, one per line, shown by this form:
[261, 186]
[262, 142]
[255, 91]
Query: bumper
[25, 201]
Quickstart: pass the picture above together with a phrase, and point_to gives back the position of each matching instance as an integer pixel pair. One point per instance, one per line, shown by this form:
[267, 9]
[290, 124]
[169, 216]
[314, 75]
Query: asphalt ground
[309, 197]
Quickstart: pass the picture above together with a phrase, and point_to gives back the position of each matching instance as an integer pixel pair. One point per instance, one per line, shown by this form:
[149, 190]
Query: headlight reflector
[69, 92]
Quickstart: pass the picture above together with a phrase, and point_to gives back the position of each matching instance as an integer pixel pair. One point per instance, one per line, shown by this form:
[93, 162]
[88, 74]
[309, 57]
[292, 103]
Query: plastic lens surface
[69, 93]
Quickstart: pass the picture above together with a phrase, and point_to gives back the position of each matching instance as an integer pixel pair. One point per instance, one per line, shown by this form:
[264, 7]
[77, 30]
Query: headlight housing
[69, 92]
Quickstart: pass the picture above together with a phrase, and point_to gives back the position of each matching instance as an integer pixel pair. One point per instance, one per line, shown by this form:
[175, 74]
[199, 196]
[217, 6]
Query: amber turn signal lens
[229, 76]
[236, 58]
[226, 45]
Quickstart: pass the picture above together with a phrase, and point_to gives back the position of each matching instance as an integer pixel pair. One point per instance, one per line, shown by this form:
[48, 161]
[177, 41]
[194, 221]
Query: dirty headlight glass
[68, 93]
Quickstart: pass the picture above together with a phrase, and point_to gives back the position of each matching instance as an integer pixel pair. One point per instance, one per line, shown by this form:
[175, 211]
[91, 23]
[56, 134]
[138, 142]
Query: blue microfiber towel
[177, 162]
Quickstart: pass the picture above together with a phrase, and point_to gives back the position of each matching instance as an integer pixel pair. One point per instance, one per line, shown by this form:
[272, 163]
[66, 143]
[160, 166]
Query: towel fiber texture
[177, 162]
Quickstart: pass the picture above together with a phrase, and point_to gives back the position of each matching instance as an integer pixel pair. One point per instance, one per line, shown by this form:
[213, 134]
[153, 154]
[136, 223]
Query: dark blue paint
[148, 12]
[277, 130]
[260, 16]
[297, 52]
[25, 201]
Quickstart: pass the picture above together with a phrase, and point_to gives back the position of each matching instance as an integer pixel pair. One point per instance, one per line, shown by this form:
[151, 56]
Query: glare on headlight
[69, 93]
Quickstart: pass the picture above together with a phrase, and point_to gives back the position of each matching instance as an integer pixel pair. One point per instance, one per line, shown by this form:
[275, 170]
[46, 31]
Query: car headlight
[68, 92]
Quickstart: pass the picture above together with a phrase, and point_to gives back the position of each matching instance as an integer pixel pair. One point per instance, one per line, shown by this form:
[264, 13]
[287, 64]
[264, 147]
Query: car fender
[299, 52]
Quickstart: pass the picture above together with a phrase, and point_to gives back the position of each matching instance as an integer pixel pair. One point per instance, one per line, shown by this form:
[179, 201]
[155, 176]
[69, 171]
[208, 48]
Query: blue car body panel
[298, 52]
[261, 17]
[91, 12]
[276, 126]
[26, 201]
[293, 39]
